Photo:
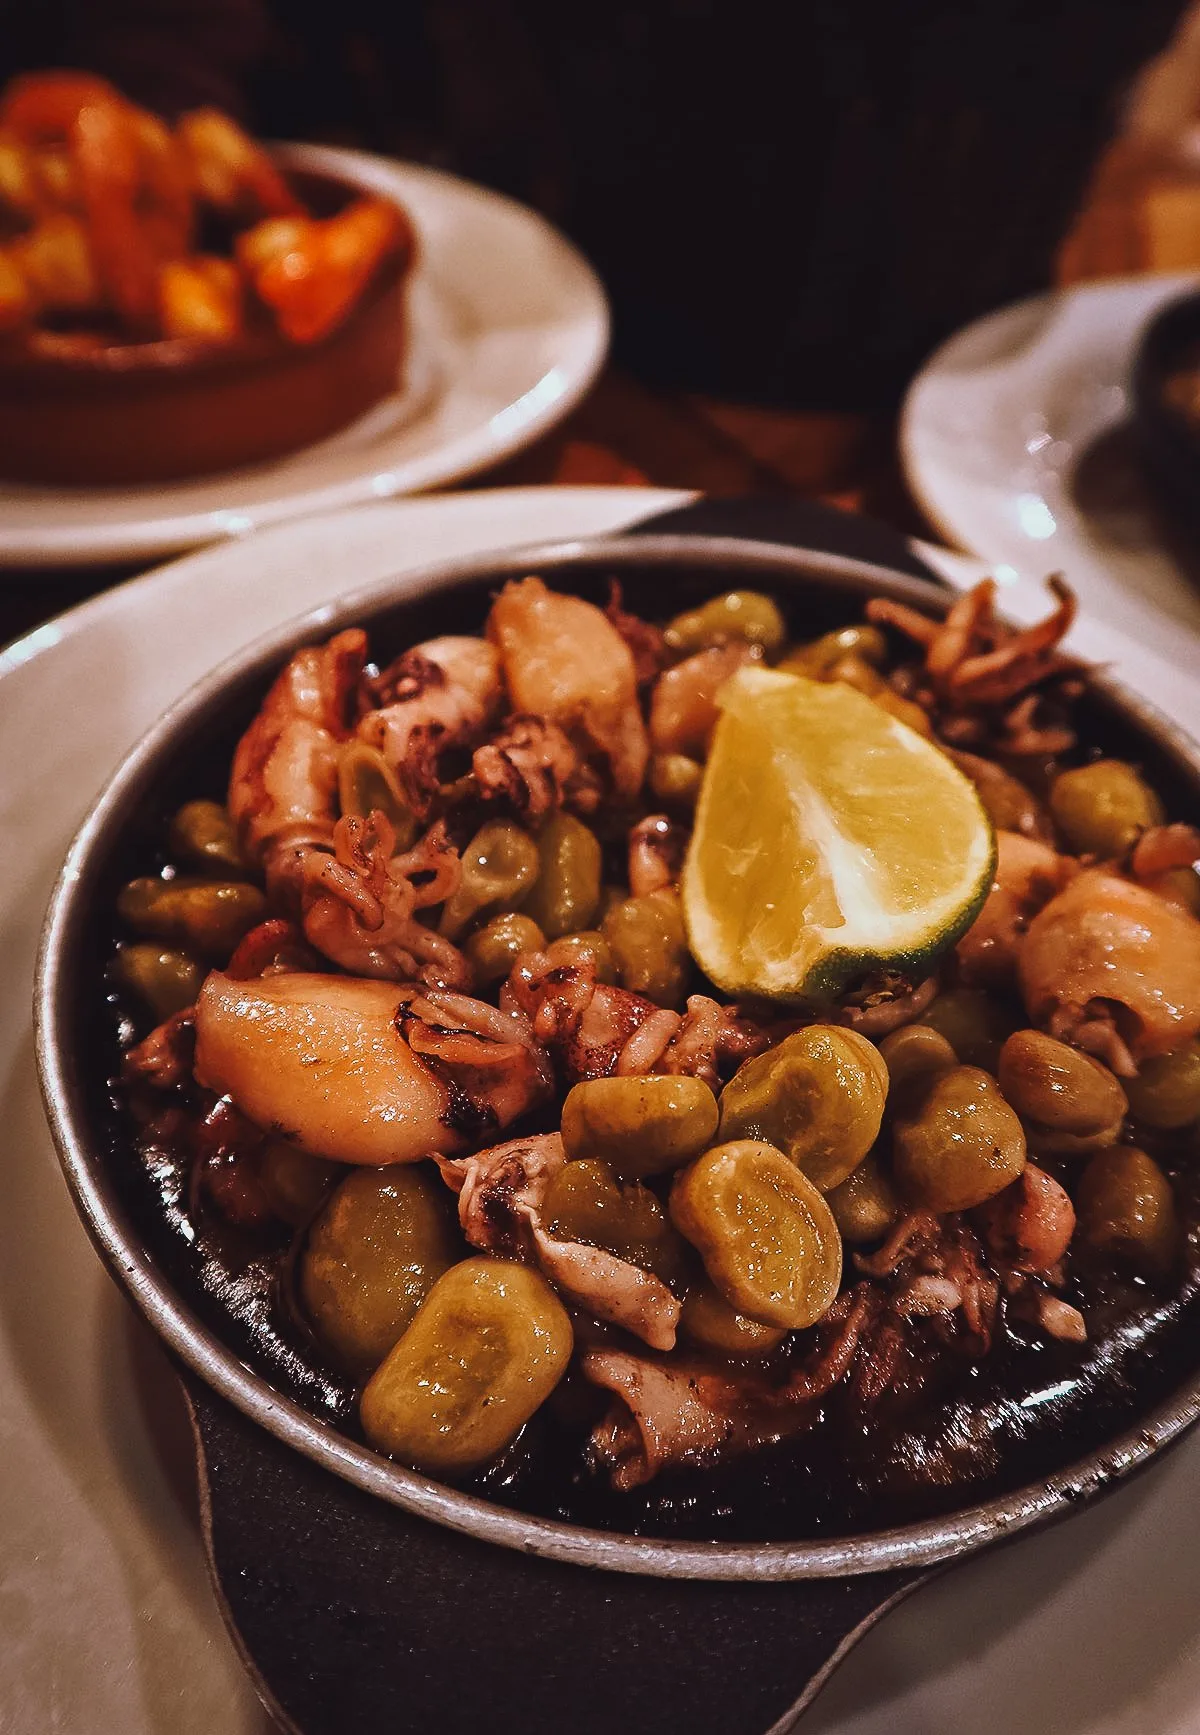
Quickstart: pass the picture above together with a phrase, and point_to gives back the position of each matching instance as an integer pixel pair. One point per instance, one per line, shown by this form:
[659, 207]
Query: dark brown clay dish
[1137, 1392]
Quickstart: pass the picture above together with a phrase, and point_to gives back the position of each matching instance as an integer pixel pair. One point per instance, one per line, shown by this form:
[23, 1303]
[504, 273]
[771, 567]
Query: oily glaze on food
[453, 1124]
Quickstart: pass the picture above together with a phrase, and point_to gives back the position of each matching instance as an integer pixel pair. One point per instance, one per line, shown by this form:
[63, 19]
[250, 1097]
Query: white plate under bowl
[509, 327]
[108, 1623]
[1013, 442]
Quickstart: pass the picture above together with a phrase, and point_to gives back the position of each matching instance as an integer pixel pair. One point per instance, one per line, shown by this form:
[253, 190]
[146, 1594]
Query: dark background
[789, 203]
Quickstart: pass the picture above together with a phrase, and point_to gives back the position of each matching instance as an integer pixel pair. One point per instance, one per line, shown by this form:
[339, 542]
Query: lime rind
[794, 779]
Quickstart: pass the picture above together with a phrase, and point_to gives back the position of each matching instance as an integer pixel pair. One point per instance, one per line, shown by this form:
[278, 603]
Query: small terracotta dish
[159, 412]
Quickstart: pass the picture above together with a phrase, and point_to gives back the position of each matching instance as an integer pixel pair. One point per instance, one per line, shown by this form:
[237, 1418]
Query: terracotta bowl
[161, 412]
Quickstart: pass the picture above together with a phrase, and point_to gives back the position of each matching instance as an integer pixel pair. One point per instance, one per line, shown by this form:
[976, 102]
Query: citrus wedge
[830, 841]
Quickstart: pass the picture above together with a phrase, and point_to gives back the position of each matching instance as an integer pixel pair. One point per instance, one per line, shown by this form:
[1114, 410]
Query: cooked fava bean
[1070, 1102]
[610, 897]
[499, 866]
[865, 1206]
[817, 658]
[1181, 886]
[817, 1096]
[294, 1182]
[204, 836]
[166, 981]
[914, 1056]
[766, 1235]
[495, 948]
[854, 672]
[208, 916]
[588, 949]
[959, 1144]
[586, 1202]
[367, 784]
[487, 1347]
[371, 1258]
[566, 893]
[906, 711]
[1126, 1208]
[675, 778]
[709, 1321]
[1103, 808]
[649, 946]
[974, 1023]
[639, 1126]
[1166, 1092]
[739, 614]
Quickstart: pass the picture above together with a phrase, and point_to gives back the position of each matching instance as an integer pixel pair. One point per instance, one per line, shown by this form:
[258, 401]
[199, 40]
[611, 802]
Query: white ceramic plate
[509, 328]
[109, 1627]
[1012, 441]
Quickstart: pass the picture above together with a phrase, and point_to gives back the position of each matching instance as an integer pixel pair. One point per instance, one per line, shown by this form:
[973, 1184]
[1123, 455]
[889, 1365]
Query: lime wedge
[830, 841]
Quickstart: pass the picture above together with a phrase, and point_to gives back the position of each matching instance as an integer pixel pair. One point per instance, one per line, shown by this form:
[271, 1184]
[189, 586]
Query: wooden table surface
[1143, 214]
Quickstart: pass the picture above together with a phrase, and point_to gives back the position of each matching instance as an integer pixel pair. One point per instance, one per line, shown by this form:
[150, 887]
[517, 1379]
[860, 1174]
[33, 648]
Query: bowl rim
[916, 1545]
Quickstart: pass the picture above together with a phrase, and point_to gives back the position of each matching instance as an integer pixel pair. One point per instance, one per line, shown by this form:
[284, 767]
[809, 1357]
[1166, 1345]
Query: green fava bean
[865, 1206]
[566, 893]
[585, 1202]
[709, 1321]
[818, 1096]
[495, 948]
[588, 950]
[372, 1256]
[1166, 1092]
[487, 1347]
[766, 1235]
[639, 1126]
[959, 1145]
[1069, 1101]
[499, 865]
[166, 981]
[817, 658]
[203, 835]
[1126, 1208]
[973, 1023]
[1181, 886]
[1103, 808]
[294, 1182]
[207, 916]
[914, 1056]
[738, 614]
[367, 784]
[675, 778]
[649, 946]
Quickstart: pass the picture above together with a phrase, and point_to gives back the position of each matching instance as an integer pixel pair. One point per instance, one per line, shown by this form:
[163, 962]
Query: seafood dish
[733, 1076]
[139, 258]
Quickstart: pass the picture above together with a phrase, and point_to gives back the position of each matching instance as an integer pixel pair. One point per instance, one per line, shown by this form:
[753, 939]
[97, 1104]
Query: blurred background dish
[509, 326]
[1015, 441]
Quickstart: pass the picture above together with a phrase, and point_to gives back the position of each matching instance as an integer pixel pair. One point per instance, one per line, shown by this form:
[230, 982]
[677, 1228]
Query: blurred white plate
[109, 1626]
[509, 327]
[1012, 441]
